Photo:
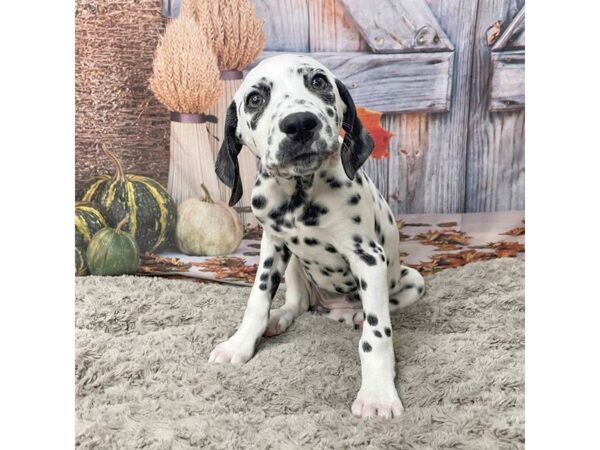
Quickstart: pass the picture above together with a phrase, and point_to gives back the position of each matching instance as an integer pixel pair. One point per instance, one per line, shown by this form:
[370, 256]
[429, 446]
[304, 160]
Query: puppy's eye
[319, 81]
[254, 100]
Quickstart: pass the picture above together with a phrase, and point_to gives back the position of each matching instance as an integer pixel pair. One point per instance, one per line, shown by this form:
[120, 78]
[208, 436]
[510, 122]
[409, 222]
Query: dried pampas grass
[186, 80]
[235, 31]
[185, 72]
[236, 34]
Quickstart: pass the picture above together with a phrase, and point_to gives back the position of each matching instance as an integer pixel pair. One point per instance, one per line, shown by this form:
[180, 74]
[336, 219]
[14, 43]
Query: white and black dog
[326, 227]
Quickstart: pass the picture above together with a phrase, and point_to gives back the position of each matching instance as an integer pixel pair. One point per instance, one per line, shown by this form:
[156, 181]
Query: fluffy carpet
[143, 380]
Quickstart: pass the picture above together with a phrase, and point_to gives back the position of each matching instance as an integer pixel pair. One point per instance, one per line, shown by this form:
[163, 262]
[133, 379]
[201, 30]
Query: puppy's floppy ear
[226, 166]
[358, 144]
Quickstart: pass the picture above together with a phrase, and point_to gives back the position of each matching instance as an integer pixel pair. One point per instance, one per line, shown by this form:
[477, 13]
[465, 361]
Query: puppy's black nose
[299, 126]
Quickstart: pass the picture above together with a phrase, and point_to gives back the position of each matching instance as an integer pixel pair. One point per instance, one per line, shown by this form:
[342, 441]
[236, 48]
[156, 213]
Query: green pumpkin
[113, 252]
[152, 211]
[80, 265]
[89, 219]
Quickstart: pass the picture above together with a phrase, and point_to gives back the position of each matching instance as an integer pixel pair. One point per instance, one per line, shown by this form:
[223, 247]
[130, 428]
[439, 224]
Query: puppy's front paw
[376, 403]
[279, 321]
[231, 352]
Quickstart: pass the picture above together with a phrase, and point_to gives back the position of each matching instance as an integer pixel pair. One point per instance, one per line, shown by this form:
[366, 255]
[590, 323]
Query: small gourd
[207, 228]
[113, 252]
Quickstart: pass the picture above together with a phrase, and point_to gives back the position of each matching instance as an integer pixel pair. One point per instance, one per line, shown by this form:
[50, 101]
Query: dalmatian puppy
[327, 229]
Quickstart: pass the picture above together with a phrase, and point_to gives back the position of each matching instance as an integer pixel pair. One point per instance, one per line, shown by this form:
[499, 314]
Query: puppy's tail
[410, 288]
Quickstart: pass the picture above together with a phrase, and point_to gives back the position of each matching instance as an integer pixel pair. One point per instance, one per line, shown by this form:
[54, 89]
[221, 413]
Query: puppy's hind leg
[297, 298]
[406, 288]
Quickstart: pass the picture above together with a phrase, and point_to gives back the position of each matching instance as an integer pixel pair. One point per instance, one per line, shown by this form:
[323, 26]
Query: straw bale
[114, 48]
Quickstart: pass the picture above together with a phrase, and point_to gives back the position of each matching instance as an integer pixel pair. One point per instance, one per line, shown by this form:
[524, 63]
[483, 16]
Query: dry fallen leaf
[438, 238]
[371, 120]
[493, 32]
[229, 268]
[518, 231]
[152, 263]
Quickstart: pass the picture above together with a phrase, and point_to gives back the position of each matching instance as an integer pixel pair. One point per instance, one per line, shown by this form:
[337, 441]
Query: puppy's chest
[307, 229]
[291, 214]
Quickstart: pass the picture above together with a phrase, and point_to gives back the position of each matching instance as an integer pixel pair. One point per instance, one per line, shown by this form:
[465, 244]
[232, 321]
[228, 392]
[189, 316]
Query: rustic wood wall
[464, 159]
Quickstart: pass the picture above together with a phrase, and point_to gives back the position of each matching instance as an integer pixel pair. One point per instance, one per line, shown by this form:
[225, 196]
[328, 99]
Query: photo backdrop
[448, 77]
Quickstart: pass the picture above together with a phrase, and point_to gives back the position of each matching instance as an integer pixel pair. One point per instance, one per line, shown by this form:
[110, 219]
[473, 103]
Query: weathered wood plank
[407, 163]
[286, 24]
[508, 81]
[331, 28]
[332, 31]
[495, 151]
[393, 82]
[397, 25]
[445, 172]
[513, 37]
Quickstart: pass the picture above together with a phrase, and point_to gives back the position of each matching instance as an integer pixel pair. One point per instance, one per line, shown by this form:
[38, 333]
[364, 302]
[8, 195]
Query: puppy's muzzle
[300, 127]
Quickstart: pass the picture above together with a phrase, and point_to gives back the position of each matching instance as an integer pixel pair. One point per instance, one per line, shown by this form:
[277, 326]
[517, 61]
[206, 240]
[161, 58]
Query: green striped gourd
[113, 252]
[89, 219]
[152, 212]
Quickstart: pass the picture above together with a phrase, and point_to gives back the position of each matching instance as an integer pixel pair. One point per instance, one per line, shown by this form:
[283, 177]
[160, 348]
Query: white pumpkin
[207, 228]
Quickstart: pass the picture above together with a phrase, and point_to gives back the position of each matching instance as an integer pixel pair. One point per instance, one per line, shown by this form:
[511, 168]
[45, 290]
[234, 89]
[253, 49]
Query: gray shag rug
[143, 380]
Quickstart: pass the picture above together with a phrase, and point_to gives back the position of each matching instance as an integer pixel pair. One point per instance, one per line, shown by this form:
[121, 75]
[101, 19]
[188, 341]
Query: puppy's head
[289, 112]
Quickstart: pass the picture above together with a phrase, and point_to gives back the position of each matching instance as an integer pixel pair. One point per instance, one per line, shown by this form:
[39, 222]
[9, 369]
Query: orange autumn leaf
[371, 120]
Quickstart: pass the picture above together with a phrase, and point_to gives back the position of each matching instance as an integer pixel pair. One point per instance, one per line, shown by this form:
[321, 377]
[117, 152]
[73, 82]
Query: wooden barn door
[428, 65]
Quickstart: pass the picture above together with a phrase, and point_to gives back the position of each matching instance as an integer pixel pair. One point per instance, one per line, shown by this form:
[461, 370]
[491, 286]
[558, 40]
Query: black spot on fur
[372, 319]
[258, 182]
[393, 301]
[330, 111]
[366, 347]
[354, 199]
[310, 241]
[404, 272]
[377, 227]
[324, 272]
[356, 219]
[262, 286]
[366, 257]
[393, 284]
[388, 331]
[333, 183]
[275, 280]
[420, 289]
[341, 320]
[259, 201]
[359, 179]
[294, 240]
[377, 333]
[286, 254]
[339, 289]
[363, 284]
[390, 218]
[330, 248]
[268, 263]
[311, 214]
[356, 238]
[264, 276]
